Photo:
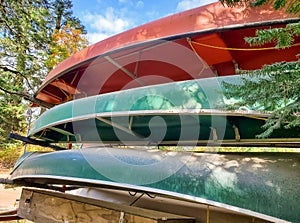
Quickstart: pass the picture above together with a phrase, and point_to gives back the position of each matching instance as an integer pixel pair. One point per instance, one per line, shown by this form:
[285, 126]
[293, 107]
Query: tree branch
[8, 26]
[27, 97]
[6, 69]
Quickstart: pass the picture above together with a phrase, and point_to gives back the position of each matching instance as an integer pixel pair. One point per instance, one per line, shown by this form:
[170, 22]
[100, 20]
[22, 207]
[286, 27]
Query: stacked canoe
[162, 84]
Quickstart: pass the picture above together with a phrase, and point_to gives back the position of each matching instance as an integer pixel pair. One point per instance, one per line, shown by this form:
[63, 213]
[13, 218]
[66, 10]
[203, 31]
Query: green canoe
[185, 113]
[267, 183]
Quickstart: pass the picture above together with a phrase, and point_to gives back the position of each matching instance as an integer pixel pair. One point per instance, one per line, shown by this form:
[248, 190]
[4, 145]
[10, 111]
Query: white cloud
[139, 4]
[153, 14]
[96, 37]
[189, 4]
[105, 25]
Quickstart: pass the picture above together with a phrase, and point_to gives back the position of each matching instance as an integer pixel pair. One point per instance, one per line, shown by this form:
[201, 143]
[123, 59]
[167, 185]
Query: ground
[8, 195]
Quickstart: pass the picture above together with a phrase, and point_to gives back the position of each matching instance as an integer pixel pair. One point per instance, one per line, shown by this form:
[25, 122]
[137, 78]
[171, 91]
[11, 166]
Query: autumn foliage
[66, 42]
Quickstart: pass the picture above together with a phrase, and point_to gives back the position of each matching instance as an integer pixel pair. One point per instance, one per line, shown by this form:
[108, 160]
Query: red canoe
[198, 43]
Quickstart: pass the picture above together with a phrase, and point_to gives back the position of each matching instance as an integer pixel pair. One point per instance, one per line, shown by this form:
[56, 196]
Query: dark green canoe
[267, 183]
[185, 113]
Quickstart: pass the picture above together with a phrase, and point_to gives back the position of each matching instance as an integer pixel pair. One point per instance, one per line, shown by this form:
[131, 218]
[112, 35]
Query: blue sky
[104, 18]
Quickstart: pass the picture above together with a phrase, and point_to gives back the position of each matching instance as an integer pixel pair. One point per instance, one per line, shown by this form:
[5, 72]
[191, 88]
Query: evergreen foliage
[291, 6]
[282, 37]
[27, 34]
[275, 87]
[23, 38]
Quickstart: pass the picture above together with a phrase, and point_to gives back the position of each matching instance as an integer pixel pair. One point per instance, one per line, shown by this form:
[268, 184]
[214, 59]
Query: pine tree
[67, 35]
[23, 38]
[275, 87]
[291, 6]
[27, 31]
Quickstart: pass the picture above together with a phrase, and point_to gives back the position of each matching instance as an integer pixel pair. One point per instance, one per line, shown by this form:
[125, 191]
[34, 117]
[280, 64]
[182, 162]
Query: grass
[230, 149]
[10, 153]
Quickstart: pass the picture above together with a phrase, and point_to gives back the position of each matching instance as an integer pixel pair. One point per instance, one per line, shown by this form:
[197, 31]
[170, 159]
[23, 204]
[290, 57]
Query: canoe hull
[185, 113]
[189, 43]
[262, 182]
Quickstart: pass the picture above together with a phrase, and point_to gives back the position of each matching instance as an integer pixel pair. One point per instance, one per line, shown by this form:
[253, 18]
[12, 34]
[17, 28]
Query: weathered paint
[267, 183]
[143, 52]
[184, 112]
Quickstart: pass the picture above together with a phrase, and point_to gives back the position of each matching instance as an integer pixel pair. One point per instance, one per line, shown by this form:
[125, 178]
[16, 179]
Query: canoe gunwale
[179, 112]
[251, 114]
[273, 142]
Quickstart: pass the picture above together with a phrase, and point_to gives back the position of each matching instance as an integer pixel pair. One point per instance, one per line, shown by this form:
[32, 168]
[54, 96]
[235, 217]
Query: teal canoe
[186, 113]
[267, 183]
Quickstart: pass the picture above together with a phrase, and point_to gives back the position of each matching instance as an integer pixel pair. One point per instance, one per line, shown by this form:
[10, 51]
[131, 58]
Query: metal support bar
[236, 133]
[236, 66]
[214, 133]
[207, 214]
[130, 122]
[78, 137]
[64, 132]
[115, 125]
[74, 78]
[205, 66]
[112, 61]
